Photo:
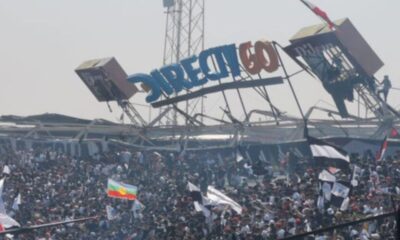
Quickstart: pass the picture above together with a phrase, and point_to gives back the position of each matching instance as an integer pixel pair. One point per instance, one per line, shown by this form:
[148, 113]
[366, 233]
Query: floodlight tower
[184, 34]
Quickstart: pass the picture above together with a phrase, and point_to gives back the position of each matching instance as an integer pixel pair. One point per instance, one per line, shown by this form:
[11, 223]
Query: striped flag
[319, 12]
[327, 154]
[382, 150]
[121, 190]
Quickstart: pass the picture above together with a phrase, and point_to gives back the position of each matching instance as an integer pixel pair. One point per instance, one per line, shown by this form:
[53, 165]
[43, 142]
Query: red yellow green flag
[121, 190]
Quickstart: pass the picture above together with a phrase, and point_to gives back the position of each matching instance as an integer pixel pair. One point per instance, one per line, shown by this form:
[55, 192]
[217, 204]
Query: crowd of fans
[278, 199]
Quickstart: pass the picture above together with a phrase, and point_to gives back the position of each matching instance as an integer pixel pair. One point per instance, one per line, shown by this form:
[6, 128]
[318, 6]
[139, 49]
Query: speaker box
[106, 79]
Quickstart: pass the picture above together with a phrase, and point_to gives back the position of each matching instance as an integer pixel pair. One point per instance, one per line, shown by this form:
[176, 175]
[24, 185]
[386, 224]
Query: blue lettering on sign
[192, 72]
[229, 51]
[150, 82]
[165, 87]
[174, 78]
[219, 64]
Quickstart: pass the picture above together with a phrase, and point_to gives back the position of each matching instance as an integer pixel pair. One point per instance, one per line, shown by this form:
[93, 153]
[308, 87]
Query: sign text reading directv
[196, 71]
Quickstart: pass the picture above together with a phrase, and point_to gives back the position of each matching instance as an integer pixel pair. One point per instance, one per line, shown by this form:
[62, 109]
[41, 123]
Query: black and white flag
[340, 194]
[326, 176]
[199, 201]
[214, 198]
[201, 208]
[327, 154]
[195, 193]
[340, 190]
[356, 176]
[218, 198]
[333, 192]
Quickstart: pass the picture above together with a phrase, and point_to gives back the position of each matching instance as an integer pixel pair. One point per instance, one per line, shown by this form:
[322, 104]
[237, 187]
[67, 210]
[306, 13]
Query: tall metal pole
[188, 43]
[202, 48]
[184, 34]
[178, 47]
[178, 32]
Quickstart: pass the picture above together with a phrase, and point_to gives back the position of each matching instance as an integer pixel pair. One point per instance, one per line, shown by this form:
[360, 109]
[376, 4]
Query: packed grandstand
[277, 199]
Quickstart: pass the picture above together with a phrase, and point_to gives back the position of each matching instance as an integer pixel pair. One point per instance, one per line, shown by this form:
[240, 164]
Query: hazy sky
[43, 41]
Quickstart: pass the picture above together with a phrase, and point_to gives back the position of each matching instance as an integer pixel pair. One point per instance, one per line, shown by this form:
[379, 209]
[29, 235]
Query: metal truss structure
[184, 36]
[333, 56]
[290, 129]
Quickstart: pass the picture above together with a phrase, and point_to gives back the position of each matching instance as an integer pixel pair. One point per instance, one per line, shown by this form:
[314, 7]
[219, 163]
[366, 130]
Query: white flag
[7, 222]
[111, 213]
[2, 207]
[6, 170]
[218, 197]
[137, 205]
[200, 208]
[1, 186]
[326, 176]
[17, 202]
[326, 189]
[356, 175]
[191, 187]
[345, 205]
[239, 156]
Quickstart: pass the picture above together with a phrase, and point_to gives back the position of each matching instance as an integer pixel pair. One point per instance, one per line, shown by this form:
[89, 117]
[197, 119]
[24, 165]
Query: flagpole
[324, 17]
[305, 4]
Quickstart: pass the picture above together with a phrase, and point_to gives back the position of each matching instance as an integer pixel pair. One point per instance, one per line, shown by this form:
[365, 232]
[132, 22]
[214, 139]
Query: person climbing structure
[385, 87]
